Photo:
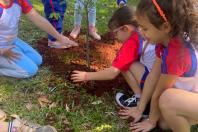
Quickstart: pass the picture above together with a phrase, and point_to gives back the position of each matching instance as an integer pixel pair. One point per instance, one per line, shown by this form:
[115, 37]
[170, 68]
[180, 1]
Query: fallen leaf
[51, 118]
[52, 105]
[96, 102]
[43, 101]
[28, 106]
[82, 113]
[110, 113]
[39, 93]
[65, 121]
[66, 107]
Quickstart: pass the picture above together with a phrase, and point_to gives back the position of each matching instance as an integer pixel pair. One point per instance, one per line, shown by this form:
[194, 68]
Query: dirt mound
[102, 53]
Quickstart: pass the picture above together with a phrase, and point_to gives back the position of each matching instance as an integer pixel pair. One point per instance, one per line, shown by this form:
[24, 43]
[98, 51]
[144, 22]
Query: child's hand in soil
[9, 54]
[78, 76]
[65, 41]
[133, 112]
[143, 126]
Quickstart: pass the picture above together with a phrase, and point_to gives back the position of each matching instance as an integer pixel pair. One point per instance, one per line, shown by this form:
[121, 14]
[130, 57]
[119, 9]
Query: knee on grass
[33, 71]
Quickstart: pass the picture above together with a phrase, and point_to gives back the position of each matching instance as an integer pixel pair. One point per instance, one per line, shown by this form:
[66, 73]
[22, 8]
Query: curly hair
[181, 14]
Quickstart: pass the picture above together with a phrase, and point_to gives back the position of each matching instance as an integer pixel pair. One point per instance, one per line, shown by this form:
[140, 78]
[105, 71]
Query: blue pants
[78, 9]
[24, 67]
[54, 12]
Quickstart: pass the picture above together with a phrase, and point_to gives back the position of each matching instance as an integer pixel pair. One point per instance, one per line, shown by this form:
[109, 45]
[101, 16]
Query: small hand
[79, 76]
[9, 54]
[144, 126]
[133, 112]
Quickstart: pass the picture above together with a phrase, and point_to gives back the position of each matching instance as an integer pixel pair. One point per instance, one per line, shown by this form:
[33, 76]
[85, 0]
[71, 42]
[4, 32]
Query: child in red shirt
[173, 88]
[128, 58]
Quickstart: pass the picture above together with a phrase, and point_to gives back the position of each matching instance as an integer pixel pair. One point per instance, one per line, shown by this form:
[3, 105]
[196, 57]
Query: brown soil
[102, 53]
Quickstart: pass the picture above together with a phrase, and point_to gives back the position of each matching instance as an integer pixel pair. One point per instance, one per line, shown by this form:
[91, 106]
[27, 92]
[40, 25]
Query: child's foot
[124, 101]
[25, 126]
[93, 33]
[74, 33]
[2, 115]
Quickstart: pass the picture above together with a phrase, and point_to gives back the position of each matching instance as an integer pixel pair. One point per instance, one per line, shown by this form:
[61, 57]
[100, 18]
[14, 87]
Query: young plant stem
[87, 36]
[87, 39]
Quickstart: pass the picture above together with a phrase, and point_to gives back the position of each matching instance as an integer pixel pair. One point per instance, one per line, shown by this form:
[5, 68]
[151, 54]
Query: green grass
[82, 117]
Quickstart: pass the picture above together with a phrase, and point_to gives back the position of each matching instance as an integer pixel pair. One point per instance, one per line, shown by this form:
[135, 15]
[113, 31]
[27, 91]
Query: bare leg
[179, 109]
[133, 76]
[4, 126]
